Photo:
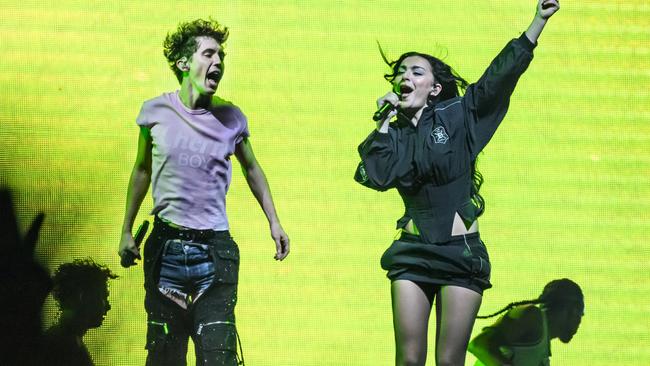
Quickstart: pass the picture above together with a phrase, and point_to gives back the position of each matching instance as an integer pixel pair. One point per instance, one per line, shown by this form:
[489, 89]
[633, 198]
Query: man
[191, 262]
[523, 335]
[81, 290]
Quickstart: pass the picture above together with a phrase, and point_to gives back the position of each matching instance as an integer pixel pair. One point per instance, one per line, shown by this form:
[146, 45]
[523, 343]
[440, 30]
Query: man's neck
[192, 99]
[70, 325]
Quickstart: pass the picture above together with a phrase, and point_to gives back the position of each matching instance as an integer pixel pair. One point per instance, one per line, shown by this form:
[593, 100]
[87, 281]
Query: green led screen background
[566, 175]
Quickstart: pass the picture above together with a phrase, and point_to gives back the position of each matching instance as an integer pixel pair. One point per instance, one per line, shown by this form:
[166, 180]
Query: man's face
[94, 307]
[573, 316]
[205, 67]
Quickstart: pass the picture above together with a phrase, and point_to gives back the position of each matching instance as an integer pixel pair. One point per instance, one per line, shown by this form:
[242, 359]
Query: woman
[522, 336]
[429, 156]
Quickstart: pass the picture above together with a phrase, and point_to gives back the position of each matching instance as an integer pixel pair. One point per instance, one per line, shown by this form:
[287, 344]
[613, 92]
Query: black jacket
[430, 164]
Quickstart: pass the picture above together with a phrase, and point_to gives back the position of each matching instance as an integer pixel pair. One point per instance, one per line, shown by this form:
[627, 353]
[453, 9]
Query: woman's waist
[429, 193]
[457, 227]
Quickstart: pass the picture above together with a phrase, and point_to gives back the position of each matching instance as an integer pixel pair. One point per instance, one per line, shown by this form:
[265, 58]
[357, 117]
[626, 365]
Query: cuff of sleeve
[526, 43]
[382, 137]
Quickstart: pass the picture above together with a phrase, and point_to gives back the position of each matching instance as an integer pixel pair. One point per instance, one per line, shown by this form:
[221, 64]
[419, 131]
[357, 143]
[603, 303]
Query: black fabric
[430, 290]
[167, 344]
[167, 336]
[460, 262]
[215, 334]
[190, 234]
[223, 250]
[63, 349]
[217, 341]
[430, 164]
[218, 337]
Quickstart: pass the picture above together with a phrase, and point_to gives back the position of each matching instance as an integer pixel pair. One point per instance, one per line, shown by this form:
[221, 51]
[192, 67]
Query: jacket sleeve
[486, 101]
[383, 165]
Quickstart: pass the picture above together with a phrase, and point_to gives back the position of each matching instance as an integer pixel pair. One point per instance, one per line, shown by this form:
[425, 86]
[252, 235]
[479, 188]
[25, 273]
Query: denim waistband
[189, 234]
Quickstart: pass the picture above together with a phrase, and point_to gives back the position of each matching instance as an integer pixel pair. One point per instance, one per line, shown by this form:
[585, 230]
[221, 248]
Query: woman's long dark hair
[557, 295]
[453, 85]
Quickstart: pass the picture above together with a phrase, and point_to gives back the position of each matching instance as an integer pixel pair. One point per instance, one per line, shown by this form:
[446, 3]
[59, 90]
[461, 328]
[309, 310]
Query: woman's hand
[546, 8]
[390, 98]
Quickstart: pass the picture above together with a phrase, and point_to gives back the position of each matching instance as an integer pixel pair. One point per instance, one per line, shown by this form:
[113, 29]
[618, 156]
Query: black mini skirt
[462, 261]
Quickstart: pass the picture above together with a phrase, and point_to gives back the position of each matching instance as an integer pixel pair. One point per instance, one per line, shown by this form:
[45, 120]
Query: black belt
[189, 234]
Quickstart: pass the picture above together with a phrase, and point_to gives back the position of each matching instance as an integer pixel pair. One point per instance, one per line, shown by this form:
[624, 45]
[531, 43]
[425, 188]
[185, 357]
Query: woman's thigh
[456, 309]
[411, 310]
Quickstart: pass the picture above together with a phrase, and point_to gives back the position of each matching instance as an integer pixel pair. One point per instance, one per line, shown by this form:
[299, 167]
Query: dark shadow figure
[522, 336]
[24, 285]
[81, 291]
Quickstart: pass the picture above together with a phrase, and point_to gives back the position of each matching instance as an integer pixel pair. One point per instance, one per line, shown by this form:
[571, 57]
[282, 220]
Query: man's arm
[259, 186]
[521, 325]
[137, 190]
[485, 347]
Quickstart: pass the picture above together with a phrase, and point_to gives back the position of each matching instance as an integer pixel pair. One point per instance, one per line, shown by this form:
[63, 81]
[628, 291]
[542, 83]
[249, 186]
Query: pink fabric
[191, 166]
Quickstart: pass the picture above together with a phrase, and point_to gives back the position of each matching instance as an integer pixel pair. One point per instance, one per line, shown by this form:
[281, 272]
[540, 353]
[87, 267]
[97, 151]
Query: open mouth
[214, 76]
[405, 90]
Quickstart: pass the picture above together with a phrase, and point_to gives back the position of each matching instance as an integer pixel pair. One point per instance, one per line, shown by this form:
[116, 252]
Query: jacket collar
[425, 119]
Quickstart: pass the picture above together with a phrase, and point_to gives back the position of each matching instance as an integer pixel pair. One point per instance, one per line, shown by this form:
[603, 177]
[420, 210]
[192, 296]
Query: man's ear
[182, 64]
[436, 88]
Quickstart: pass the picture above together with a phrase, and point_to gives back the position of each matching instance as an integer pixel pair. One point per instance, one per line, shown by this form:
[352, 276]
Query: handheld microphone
[128, 258]
[385, 109]
[383, 112]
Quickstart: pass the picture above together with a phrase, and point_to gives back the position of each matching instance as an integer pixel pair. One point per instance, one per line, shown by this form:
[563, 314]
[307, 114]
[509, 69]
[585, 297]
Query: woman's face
[415, 83]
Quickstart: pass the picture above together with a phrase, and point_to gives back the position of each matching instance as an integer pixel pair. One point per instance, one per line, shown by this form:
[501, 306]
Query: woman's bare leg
[456, 309]
[411, 310]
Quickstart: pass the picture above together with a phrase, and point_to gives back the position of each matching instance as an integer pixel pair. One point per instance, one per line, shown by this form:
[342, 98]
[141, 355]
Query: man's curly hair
[182, 43]
[79, 276]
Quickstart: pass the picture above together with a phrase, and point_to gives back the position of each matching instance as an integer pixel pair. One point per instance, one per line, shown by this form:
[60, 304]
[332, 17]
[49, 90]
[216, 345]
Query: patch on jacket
[439, 135]
[362, 175]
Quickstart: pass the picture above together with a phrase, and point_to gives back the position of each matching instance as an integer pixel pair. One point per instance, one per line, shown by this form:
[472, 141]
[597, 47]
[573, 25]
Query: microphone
[383, 112]
[385, 109]
[127, 257]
